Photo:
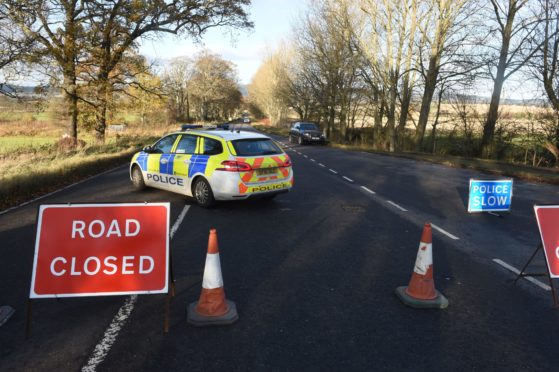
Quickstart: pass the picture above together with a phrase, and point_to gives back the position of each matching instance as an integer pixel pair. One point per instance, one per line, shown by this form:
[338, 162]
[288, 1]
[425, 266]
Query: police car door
[184, 153]
[160, 163]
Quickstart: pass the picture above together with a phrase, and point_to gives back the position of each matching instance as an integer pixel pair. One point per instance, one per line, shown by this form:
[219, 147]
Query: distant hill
[29, 91]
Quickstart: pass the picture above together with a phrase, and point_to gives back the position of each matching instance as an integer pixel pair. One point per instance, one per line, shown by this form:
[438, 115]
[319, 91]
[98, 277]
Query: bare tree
[445, 24]
[214, 87]
[268, 88]
[386, 36]
[176, 78]
[513, 25]
[545, 68]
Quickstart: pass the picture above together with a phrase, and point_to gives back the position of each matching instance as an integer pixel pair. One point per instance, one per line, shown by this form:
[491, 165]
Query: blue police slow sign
[490, 196]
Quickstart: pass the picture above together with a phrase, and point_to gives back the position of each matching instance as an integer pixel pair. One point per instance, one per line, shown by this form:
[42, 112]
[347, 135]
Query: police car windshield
[308, 126]
[256, 147]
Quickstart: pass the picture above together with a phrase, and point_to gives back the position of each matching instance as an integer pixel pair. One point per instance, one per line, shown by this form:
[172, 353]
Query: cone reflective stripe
[212, 299]
[422, 285]
[212, 308]
[212, 272]
[421, 292]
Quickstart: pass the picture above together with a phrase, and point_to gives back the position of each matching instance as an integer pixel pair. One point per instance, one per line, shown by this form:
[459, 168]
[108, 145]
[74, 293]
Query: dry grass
[547, 175]
[32, 164]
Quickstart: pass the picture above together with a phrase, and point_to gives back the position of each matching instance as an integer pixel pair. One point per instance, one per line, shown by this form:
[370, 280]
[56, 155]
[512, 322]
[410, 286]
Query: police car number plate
[265, 171]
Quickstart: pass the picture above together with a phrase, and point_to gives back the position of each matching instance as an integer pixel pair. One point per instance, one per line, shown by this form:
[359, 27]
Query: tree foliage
[92, 42]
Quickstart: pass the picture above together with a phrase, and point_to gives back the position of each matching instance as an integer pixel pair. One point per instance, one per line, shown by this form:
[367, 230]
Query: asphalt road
[313, 275]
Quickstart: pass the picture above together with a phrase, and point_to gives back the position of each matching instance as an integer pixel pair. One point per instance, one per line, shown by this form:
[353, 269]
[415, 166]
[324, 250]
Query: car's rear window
[256, 147]
[308, 126]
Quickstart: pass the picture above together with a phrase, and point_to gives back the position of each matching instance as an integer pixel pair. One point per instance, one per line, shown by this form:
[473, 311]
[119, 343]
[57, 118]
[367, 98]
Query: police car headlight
[306, 134]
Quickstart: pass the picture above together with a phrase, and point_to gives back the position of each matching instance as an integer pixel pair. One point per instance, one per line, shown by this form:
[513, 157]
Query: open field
[32, 163]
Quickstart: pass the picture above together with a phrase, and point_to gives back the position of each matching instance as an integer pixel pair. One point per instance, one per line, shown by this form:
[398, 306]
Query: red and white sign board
[548, 223]
[101, 249]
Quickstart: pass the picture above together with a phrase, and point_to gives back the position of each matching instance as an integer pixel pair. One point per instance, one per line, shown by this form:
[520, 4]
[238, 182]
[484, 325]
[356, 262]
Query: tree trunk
[71, 95]
[187, 108]
[379, 114]
[428, 92]
[102, 109]
[486, 147]
[436, 123]
[404, 110]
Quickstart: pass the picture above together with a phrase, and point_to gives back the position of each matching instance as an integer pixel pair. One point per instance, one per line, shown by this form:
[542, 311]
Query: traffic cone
[421, 292]
[212, 308]
[5, 313]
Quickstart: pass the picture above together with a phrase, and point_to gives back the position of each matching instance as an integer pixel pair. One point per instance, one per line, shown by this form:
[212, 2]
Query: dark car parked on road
[306, 132]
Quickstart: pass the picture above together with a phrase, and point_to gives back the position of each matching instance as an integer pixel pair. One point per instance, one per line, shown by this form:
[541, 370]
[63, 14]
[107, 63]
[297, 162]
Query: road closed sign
[490, 195]
[548, 223]
[101, 249]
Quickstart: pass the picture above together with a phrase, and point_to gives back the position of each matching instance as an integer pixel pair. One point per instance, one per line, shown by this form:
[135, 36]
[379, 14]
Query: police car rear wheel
[138, 179]
[203, 193]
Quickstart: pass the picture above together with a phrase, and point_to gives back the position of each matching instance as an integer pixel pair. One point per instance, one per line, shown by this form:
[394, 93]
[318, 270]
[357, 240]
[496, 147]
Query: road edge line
[502, 263]
[454, 237]
[59, 190]
[103, 347]
[397, 206]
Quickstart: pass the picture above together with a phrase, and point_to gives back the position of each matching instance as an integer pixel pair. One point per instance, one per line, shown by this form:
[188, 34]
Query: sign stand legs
[496, 214]
[28, 321]
[523, 274]
[170, 293]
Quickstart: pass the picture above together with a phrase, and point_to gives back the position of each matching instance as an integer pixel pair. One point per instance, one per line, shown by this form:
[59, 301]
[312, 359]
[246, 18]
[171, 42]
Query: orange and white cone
[212, 308]
[421, 292]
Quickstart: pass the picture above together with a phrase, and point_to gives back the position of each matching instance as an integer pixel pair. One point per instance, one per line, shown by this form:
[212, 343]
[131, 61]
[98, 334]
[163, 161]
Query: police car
[212, 165]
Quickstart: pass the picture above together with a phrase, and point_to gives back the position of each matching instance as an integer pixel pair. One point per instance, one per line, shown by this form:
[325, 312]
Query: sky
[272, 23]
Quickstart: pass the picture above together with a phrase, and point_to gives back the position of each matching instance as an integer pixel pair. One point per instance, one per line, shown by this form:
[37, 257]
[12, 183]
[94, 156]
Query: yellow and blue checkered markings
[142, 160]
[166, 163]
[198, 164]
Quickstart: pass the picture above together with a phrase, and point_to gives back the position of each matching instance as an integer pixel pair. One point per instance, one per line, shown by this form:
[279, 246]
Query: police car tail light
[287, 162]
[235, 166]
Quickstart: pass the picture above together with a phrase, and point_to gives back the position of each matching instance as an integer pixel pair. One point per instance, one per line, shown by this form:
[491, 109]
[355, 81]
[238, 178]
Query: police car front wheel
[138, 179]
[203, 193]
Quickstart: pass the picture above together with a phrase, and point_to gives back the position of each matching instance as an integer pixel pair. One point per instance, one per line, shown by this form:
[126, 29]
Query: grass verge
[547, 175]
[44, 174]
[519, 171]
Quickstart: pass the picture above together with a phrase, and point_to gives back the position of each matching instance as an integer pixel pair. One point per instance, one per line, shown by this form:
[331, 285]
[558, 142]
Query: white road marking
[333, 171]
[368, 190]
[444, 232]
[59, 190]
[322, 165]
[516, 271]
[347, 179]
[109, 337]
[397, 206]
[179, 221]
[313, 160]
[305, 156]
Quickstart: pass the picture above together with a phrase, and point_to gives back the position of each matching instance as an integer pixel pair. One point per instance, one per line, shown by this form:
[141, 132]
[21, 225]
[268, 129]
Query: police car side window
[187, 145]
[165, 144]
[212, 147]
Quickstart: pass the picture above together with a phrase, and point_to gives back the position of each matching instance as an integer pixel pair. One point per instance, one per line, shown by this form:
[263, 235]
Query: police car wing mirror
[147, 149]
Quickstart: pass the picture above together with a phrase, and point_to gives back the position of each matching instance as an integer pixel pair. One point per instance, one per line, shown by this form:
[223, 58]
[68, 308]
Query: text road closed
[101, 249]
[548, 223]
